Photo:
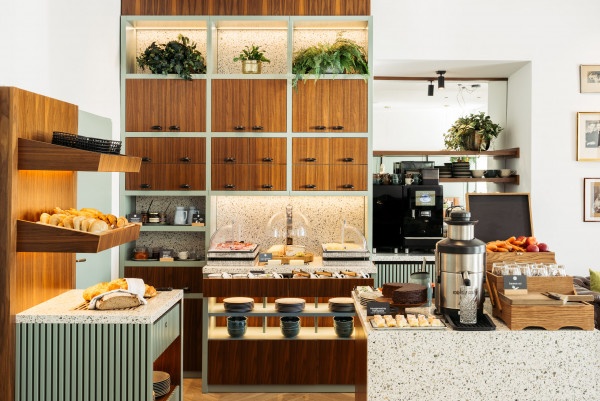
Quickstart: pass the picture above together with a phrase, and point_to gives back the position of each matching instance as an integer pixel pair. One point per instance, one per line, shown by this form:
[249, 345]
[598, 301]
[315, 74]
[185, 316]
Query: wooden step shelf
[499, 180]
[37, 155]
[36, 237]
[504, 153]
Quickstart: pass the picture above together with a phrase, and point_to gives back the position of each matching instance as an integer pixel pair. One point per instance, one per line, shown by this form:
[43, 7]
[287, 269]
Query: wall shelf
[274, 333]
[499, 180]
[310, 310]
[177, 263]
[35, 237]
[172, 228]
[37, 155]
[507, 153]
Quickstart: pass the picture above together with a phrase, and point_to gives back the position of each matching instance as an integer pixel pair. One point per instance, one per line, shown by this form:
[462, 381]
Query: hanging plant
[176, 57]
[474, 132]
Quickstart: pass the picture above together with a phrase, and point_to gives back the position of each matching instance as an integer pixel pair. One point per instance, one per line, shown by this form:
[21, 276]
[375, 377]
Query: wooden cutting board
[535, 298]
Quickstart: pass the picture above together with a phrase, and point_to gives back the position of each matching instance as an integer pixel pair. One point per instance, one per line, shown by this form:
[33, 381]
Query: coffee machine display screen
[425, 198]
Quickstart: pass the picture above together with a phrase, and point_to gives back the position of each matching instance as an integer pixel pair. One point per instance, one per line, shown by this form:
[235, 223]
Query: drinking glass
[469, 299]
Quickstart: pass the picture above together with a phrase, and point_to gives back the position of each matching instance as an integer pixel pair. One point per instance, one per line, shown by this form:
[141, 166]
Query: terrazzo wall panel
[304, 38]
[177, 241]
[232, 41]
[145, 37]
[324, 213]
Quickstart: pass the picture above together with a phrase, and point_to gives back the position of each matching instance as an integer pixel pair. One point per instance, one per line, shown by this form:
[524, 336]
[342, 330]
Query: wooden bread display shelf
[37, 155]
[37, 237]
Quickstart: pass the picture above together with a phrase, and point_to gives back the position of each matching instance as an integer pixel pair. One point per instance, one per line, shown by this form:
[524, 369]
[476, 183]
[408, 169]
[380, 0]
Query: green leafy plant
[252, 53]
[176, 57]
[342, 57]
[474, 132]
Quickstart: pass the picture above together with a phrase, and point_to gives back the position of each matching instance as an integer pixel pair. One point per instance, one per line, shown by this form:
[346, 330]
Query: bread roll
[56, 219]
[112, 220]
[85, 224]
[98, 227]
[117, 301]
[150, 291]
[77, 220]
[68, 221]
[45, 218]
[121, 222]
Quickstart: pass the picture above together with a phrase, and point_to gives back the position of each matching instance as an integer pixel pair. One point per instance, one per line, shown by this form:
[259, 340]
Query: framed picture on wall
[590, 79]
[588, 136]
[591, 199]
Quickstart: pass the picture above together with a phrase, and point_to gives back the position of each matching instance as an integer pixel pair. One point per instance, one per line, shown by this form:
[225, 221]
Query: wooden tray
[518, 257]
[285, 260]
[561, 285]
[444, 327]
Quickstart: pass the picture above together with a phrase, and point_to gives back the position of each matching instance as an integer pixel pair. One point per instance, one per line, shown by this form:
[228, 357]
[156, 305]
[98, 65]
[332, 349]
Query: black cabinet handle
[348, 186]
[267, 186]
[310, 159]
[258, 128]
[230, 159]
[337, 128]
[268, 159]
[146, 186]
[239, 128]
[186, 289]
[185, 186]
[146, 159]
[348, 159]
[321, 127]
[157, 127]
[185, 159]
[229, 186]
[174, 128]
[310, 186]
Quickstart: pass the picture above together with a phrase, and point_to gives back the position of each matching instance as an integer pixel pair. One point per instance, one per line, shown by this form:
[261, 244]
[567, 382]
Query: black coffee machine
[407, 217]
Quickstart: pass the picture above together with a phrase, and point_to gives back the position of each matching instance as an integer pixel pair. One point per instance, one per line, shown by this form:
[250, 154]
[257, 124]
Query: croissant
[45, 218]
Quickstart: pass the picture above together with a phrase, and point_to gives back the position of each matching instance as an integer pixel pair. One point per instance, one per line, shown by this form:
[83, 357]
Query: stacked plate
[445, 171]
[366, 297]
[341, 305]
[161, 383]
[238, 305]
[461, 170]
[290, 305]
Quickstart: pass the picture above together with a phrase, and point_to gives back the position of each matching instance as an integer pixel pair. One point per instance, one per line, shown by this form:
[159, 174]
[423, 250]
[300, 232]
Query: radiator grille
[400, 272]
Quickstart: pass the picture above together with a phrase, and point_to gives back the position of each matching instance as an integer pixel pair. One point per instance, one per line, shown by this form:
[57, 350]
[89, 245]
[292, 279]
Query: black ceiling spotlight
[441, 79]
[430, 89]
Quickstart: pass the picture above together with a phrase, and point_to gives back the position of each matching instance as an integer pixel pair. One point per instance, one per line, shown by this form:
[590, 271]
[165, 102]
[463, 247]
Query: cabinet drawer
[230, 150]
[189, 278]
[311, 177]
[230, 177]
[348, 178]
[266, 177]
[267, 150]
[310, 150]
[165, 330]
[168, 177]
[349, 150]
[167, 150]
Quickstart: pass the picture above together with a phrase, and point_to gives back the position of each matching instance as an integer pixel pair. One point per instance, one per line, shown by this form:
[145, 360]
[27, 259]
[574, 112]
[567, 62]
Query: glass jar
[140, 253]
[469, 299]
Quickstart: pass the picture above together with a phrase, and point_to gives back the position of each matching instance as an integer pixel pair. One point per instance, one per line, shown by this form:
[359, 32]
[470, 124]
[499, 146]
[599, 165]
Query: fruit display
[517, 244]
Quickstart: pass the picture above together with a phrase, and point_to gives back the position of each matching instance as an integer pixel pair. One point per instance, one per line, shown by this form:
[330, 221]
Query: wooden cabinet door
[268, 105]
[230, 177]
[230, 105]
[267, 150]
[310, 150]
[146, 179]
[144, 105]
[186, 150]
[229, 150]
[192, 335]
[312, 7]
[351, 7]
[335, 362]
[165, 7]
[184, 177]
[349, 150]
[310, 177]
[187, 278]
[228, 7]
[348, 178]
[349, 110]
[266, 177]
[151, 150]
[186, 105]
[310, 106]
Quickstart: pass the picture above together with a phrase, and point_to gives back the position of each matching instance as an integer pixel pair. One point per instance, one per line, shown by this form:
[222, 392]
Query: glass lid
[350, 239]
[289, 227]
[228, 238]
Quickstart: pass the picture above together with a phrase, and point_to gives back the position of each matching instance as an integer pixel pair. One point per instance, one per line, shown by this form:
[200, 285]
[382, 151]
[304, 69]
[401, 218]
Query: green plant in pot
[474, 132]
[343, 57]
[252, 59]
[176, 57]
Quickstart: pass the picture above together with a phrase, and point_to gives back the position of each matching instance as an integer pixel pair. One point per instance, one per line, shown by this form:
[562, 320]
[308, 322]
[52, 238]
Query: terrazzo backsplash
[304, 38]
[177, 241]
[168, 203]
[145, 37]
[232, 42]
[324, 213]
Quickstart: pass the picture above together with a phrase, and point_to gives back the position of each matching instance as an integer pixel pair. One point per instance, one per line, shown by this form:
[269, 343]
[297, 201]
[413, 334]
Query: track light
[430, 89]
[441, 79]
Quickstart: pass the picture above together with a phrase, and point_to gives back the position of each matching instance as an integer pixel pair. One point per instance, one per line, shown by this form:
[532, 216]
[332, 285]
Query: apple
[531, 241]
[532, 248]
[521, 239]
[543, 247]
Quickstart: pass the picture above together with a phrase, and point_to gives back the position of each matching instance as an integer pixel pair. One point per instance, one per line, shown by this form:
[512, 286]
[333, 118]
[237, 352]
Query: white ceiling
[454, 68]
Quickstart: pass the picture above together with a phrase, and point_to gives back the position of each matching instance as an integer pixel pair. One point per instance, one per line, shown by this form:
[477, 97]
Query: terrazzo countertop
[481, 365]
[60, 310]
[402, 257]
[316, 265]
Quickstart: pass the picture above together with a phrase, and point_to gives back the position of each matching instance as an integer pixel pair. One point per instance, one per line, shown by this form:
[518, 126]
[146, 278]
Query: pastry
[423, 321]
[390, 321]
[97, 227]
[405, 293]
[68, 222]
[117, 284]
[77, 220]
[150, 292]
[94, 291]
[121, 222]
[45, 218]
[437, 323]
[401, 321]
[412, 321]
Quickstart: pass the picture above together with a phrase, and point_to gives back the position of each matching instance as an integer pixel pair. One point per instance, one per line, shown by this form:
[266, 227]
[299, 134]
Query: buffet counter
[475, 365]
[311, 267]
[402, 257]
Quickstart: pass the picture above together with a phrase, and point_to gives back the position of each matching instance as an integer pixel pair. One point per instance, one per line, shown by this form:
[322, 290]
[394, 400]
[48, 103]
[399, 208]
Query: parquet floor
[192, 391]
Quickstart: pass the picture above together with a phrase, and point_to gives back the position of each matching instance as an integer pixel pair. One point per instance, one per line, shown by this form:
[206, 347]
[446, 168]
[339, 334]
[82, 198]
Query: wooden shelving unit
[500, 180]
[504, 153]
[37, 155]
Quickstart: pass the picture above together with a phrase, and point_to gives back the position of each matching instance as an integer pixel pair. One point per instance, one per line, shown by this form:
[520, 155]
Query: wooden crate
[560, 285]
[519, 257]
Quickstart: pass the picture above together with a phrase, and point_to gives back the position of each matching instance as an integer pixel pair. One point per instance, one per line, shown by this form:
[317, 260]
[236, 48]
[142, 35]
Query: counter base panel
[271, 388]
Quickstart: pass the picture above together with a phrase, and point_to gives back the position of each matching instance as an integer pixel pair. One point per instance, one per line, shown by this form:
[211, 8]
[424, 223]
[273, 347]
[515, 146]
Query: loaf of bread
[118, 284]
[117, 300]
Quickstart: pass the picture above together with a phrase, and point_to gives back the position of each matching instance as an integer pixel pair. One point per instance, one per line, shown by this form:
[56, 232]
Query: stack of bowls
[461, 170]
[238, 305]
[446, 170]
[290, 305]
[290, 326]
[236, 326]
[343, 326]
[161, 383]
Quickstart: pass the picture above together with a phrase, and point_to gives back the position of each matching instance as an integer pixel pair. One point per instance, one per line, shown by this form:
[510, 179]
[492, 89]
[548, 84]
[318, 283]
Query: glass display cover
[351, 239]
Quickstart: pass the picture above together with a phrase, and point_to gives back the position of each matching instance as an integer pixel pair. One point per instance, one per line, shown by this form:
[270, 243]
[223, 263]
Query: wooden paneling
[230, 177]
[266, 177]
[170, 361]
[230, 105]
[268, 106]
[360, 361]
[168, 177]
[310, 106]
[326, 287]
[311, 7]
[348, 178]
[186, 105]
[262, 150]
[192, 335]
[144, 105]
[217, 287]
[351, 7]
[344, 149]
[279, 7]
[168, 150]
[226, 149]
[151, 150]
[166, 276]
[349, 105]
[165, 7]
[335, 362]
[306, 149]
[310, 177]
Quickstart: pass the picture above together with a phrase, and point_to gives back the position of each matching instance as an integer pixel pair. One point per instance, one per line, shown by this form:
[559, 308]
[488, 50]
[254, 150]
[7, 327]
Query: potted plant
[342, 57]
[474, 132]
[176, 57]
[252, 59]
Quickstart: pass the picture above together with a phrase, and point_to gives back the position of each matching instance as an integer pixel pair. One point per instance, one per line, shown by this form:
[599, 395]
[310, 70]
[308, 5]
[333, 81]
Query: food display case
[227, 247]
[351, 248]
[290, 230]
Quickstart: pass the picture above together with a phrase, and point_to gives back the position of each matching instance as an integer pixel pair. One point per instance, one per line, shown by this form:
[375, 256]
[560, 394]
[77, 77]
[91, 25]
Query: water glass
[469, 299]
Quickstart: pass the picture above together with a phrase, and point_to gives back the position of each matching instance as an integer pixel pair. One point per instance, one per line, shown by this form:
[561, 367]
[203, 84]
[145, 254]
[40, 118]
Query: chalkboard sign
[500, 216]
[378, 308]
[264, 257]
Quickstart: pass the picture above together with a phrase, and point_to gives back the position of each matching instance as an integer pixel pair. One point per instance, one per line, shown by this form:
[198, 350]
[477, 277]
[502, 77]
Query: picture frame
[589, 79]
[588, 136]
[591, 200]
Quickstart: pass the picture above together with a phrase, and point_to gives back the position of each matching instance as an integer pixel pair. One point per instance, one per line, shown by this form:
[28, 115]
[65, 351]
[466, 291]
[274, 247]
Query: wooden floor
[192, 391]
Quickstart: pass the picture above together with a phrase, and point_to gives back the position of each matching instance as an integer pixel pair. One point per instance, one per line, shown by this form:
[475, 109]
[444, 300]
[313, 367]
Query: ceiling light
[430, 89]
[441, 81]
